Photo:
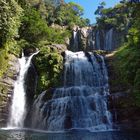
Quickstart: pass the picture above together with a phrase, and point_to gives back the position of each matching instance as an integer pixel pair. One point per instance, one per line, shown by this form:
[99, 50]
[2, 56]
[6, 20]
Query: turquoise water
[76, 135]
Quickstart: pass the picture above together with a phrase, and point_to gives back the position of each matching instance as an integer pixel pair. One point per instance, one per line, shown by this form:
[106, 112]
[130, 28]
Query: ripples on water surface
[77, 135]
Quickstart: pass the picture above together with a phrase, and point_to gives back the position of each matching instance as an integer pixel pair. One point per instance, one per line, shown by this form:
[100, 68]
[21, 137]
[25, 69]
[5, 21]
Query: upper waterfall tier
[91, 38]
[82, 102]
[84, 69]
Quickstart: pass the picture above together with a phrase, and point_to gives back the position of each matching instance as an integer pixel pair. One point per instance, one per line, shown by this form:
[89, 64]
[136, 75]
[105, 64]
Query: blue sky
[91, 5]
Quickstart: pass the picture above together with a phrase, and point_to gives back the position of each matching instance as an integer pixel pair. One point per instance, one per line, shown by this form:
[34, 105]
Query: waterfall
[82, 102]
[97, 39]
[18, 108]
[94, 39]
[108, 40]
[75, 40]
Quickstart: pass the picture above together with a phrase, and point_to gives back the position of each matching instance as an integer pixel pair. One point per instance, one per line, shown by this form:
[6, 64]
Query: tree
[77, 9]
[54, 2]
[10, 13]
[100, 8]
[33, 28]
[70, 14]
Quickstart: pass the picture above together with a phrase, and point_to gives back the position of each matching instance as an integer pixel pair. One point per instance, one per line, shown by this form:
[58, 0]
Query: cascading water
[75, 39]
[108, 40]
[82, 102]
[18, 108]
[97, 40]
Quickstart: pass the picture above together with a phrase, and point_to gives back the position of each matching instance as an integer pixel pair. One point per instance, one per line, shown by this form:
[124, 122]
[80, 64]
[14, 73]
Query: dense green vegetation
[38, 24]
[62, 14]
[126, 62]
[128, 58]
[9, 24]
[49, 64]
[119, 16]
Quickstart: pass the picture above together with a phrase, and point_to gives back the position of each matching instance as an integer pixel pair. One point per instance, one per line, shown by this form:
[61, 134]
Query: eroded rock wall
[7, 82]
[91, 38]
[6, 89]
[121, 103]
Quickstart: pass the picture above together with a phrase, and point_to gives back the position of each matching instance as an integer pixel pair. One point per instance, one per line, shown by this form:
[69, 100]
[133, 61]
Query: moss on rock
[3, 61]
[49, 65]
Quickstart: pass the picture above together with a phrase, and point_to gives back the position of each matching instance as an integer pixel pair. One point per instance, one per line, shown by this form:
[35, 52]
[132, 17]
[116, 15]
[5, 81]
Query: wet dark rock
[126, 115]
[104, 119]
[29, 51]
[68, 122]
[59, 47]
[48, 94]
[30, 83]
[93, 105]
[82, 39]
[63, 54]
[30, 89]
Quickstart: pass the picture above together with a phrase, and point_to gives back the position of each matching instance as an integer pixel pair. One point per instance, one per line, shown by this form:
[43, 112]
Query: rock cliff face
[6, 89]
[30, 88]
[83, 39]
[125, 114]
[91, 38]
[108, 40]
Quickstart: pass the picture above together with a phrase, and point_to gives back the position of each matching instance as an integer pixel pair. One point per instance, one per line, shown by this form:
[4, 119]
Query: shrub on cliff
[10, 14]
[128, 58]
[118, 16]
[49, 64]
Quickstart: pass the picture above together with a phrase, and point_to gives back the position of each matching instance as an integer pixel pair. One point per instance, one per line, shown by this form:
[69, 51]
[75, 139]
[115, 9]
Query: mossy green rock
[49, 65]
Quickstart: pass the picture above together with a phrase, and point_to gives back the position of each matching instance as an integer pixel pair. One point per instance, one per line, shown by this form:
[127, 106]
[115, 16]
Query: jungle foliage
[28, 23]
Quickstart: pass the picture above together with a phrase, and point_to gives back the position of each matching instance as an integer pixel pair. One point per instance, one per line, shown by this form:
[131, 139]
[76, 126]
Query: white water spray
[18, 108]
[82, 101]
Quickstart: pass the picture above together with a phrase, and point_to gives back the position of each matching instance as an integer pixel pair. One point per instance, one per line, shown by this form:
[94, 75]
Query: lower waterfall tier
[82, 102]
[74, 107]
